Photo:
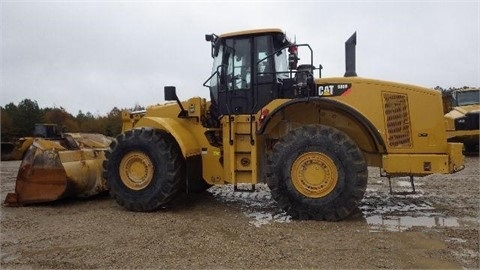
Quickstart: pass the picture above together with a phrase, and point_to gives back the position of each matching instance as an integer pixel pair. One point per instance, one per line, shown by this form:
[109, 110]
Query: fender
[351, 111]
[185, 139]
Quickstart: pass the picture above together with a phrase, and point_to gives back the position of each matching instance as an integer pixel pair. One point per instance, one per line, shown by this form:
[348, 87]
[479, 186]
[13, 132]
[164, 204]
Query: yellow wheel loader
[270, 120]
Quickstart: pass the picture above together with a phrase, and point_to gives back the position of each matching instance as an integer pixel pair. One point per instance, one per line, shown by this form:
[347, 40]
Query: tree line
[19, 120]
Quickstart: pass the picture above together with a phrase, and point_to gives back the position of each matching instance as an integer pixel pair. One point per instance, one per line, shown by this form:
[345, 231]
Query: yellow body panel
[415, 164]
[423, 164]
[213, 171]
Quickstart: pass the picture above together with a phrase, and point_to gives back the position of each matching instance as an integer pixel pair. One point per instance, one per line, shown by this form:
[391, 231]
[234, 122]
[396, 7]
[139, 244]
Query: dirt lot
[436, 228]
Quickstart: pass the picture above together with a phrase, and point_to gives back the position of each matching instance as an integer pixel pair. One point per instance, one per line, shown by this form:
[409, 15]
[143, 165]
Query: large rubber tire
[317, 172]
[144, 169]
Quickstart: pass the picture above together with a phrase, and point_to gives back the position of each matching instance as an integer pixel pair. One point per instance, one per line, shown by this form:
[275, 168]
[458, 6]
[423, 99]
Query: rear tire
[144, 169]
[317, 172]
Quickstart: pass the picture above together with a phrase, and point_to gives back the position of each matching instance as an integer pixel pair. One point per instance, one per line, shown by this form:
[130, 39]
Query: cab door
[249, 80]
[235, 93]
[265, 79]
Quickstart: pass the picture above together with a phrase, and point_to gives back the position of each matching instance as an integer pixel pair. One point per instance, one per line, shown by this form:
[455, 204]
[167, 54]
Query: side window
[281, 57]
[264, 65]
[239, 64]
[281, 64]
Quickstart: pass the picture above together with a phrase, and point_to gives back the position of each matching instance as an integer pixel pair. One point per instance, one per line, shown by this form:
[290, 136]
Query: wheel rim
[314, 174]
[136, 170]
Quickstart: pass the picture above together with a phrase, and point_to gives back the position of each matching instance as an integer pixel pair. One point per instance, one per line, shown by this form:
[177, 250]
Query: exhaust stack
[350, 56]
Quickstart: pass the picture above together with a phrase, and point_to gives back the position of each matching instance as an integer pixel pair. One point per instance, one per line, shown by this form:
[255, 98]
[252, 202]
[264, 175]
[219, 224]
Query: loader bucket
[61, 168]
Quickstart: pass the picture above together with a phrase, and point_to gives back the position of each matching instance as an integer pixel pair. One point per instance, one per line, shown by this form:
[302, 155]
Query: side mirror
[215, 45]
[170, 93]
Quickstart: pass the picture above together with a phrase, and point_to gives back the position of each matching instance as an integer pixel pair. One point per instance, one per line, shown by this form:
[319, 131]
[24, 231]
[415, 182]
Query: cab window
[238, 62]
[264, 65]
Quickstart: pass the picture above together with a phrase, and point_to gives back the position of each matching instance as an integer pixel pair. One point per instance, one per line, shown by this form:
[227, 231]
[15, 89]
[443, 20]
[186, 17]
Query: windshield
[468, 98]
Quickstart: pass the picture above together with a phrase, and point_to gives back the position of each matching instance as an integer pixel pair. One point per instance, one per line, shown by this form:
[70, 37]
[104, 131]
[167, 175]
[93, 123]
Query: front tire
[144, 169]
[317, 172]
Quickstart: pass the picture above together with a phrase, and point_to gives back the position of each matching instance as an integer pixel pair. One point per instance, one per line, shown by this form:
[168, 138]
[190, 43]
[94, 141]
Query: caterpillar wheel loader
[270, 120]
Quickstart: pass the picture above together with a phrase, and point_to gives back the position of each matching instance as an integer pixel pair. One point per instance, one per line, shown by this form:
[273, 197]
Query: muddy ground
[436, 228]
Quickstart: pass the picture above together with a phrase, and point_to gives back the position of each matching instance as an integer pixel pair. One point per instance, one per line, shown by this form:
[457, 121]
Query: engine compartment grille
[397, 120]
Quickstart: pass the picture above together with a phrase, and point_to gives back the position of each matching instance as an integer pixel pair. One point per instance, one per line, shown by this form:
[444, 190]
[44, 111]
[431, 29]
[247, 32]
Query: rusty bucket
[61, 168]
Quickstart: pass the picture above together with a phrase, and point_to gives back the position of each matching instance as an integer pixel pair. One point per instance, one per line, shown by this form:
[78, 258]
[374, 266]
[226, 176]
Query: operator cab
[252, 68]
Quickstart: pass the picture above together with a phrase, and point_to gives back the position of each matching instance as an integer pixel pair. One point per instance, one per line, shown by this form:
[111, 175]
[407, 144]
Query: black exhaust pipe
[350, 56]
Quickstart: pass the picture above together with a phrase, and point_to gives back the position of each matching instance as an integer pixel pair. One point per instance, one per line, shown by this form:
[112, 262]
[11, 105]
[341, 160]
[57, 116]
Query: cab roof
[251, 32]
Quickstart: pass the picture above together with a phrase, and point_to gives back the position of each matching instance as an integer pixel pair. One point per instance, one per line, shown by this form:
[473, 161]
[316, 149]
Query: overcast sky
[94, 55]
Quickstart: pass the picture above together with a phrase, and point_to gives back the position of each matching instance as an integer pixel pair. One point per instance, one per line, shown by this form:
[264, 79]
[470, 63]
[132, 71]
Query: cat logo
[325, 90]
[333, 89]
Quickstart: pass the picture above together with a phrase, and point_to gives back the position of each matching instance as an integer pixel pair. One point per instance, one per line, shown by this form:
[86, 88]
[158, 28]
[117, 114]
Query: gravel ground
[436, 228]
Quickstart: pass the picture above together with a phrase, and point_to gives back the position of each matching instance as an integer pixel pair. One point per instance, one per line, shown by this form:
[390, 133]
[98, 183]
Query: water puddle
[402, 223]
[385, 212]
[262, 218]
[382, 211]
